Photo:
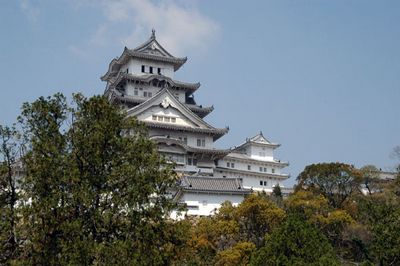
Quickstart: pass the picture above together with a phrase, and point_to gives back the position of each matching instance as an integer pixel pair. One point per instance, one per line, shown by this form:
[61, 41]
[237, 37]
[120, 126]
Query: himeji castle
[141, 81]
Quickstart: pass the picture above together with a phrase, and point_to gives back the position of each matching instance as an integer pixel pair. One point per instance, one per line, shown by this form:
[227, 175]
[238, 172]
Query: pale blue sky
[320, 77]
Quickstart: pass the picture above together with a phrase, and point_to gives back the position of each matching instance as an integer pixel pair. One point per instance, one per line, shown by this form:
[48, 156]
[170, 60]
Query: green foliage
[381, 213]
[258, 216]
[9, 196]
[237, 255]
[98, 191]
[371, 179]
[296, 242]
[336, 181]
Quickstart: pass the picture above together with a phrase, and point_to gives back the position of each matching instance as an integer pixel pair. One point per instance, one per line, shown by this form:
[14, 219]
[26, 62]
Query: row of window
[230, 165]
[144, 94]
[201, 142]
[161, 118]
[263, 183]
[184, 139]
[264, 169]
[150, 69]
[178, 158]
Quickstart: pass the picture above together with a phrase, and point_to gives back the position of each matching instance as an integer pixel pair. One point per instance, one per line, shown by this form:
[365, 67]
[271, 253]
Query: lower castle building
[141, 81]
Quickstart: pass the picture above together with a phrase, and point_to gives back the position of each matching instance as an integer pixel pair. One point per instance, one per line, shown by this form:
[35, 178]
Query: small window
[261, 169]
[154, 117]
[173, 119]
[145, 94]
[159, 71]
[151, 70]
[248, 167]
[261, 183]
[160, 118]
[203, 142]
[265, 169]
[185, 140]
[127, 70]
[233, 165]
[135, 92]
[273, 170]
[198, 142]
[228, 164]
[265, 183]
[143, 69]
[149, 94]
[194, 161]
[167, 119]
[189, 161]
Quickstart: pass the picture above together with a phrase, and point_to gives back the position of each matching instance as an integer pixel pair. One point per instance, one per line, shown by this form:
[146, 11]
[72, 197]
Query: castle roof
[149, 78]
[201, 184]
[197, 109]
[150, 50]
[165, 99]
[258, 140]
[173, 141]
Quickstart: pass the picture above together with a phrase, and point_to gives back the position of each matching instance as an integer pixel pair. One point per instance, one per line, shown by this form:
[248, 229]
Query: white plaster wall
[191, 137]
[208, 203]
[250, 181]
[261, 153]
[192, 140]
[130, 88]
[255, 167]
[169, 112]
[135, 67]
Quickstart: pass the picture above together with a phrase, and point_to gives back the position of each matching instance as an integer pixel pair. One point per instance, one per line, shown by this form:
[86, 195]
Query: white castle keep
[142, 81]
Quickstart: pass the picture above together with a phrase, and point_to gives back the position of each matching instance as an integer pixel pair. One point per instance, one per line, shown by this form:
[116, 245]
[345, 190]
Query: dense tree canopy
[336, 181]
[95, 191]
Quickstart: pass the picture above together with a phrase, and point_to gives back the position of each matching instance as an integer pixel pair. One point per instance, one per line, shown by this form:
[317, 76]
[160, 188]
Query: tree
[98, 191]
[277, 192]
[336, 181]
[381, 214]
[9, 196]
[370, 178]
[296, 242]
[238, 255]
[257, 216]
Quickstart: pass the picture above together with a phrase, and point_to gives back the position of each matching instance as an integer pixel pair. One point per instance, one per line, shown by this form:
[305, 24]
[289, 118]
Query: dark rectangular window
[189, 161]
[228, 164]
[261, 183]
[194, 161]
[265, 183]
[143, 69]
[233, 165]
[127, 70]
[151, 70]
[159, 71]
[249, 167]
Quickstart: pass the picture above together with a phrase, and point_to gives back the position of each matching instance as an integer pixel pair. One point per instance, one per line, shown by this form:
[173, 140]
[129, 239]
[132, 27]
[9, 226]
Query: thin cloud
[31, 10]
[180, 27]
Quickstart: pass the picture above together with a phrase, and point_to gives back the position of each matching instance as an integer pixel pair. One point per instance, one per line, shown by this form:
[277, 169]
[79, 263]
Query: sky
[320, 77]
